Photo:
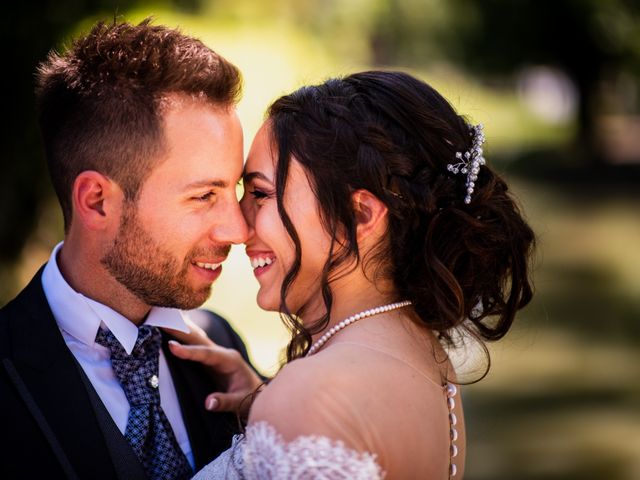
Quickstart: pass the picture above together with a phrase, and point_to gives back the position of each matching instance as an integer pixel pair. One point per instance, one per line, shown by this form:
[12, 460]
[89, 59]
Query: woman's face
[269, 246]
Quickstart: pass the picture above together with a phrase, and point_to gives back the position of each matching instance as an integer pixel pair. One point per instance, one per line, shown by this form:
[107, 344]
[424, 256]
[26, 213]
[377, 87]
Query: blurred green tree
[593, 42]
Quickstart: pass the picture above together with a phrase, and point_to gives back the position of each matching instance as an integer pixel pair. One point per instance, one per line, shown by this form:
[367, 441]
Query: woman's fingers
[240, 379]
[211, 355]
[196, 336]
[228, 402]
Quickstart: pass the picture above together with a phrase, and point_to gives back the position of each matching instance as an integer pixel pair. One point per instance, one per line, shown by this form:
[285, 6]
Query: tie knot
[147, 344]
[138, 372]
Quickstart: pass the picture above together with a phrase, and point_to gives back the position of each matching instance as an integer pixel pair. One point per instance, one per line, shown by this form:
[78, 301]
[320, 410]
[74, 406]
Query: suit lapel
[209, 433]
[50, 373]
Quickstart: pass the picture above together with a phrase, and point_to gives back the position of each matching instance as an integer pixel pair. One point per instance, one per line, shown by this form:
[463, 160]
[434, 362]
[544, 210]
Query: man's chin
[182, 301]
[196, 299]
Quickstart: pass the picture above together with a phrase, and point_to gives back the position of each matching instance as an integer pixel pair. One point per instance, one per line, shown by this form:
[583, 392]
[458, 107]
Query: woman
[378, 232]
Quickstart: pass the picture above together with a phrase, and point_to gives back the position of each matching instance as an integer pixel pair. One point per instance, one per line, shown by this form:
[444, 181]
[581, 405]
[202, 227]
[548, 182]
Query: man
[144, 150]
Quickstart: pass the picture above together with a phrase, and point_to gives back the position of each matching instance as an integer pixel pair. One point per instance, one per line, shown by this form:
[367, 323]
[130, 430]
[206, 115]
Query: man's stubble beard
[150, 272]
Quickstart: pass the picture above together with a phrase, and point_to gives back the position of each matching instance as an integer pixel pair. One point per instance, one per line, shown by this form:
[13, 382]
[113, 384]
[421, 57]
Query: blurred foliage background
[557, 87]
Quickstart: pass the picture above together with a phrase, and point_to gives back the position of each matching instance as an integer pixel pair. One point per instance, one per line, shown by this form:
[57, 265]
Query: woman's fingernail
[173, 342]
[212, 403]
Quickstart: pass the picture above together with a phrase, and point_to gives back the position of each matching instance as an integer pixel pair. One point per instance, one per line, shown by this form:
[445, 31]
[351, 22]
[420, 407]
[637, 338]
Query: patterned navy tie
[148, 430]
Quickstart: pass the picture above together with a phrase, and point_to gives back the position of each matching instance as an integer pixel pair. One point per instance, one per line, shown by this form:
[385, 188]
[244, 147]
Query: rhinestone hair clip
[470, 161]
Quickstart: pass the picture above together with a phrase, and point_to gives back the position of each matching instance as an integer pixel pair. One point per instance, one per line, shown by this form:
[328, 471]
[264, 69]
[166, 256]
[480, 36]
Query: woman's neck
[350, 297]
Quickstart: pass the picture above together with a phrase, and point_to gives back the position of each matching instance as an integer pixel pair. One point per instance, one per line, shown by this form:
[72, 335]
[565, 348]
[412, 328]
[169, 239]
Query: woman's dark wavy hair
[462, 266]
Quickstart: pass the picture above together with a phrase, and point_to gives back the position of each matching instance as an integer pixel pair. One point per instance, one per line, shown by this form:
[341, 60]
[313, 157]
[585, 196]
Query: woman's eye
[258, 194]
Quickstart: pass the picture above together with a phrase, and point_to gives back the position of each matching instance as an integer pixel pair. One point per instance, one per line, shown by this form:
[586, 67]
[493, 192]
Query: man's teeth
[260, 262]
[210, 266]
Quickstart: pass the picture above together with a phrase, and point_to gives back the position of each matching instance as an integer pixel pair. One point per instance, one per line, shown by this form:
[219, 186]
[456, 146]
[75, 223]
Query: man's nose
[231, 228]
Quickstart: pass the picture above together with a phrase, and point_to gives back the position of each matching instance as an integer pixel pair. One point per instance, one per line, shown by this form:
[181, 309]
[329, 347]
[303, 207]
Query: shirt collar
[81, 316]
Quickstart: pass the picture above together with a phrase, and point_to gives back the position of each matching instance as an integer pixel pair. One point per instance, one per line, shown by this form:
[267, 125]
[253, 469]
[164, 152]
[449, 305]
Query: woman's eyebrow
[249, 176]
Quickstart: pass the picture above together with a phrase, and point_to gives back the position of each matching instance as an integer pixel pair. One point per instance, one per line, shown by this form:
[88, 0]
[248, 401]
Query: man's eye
[204, 198]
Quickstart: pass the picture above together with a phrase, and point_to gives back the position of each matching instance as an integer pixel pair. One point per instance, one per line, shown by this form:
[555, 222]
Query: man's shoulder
[28, 303]
[12, 305]
[5, 315]
[28, 295]
[9, 313]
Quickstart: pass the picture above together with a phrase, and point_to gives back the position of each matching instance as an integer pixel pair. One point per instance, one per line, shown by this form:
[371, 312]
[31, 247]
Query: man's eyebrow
[248, 176]
[207, 183]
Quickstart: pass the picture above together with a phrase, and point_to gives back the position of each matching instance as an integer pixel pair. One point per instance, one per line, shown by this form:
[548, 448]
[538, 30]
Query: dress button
[454, 451]
[453, 420]
[451, 403]
[451, 390]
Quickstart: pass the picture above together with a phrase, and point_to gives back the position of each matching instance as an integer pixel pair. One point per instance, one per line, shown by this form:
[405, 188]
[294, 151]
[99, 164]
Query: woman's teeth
[209, 266]
[260, 262]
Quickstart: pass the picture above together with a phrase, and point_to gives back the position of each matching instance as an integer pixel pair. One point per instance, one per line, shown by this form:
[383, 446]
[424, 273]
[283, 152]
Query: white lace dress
[261, 453]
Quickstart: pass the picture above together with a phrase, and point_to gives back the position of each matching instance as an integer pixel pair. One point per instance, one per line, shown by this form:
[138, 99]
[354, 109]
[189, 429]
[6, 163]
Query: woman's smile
[260, 261]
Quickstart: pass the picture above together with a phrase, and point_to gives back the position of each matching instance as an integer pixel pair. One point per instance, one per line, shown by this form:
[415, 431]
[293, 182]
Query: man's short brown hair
[100, 102]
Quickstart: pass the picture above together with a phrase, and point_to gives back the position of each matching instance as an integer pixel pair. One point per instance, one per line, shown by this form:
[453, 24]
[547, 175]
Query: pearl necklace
[354, 318]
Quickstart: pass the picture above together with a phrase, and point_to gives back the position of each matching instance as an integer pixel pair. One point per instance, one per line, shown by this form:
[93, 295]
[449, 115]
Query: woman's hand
[225, 364]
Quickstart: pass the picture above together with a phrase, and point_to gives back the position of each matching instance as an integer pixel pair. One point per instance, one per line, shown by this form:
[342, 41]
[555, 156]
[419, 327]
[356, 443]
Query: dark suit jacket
[48, 424]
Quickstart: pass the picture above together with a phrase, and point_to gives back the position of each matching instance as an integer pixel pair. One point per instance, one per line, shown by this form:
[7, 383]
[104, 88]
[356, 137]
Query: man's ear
[370, 213]
[97, 200]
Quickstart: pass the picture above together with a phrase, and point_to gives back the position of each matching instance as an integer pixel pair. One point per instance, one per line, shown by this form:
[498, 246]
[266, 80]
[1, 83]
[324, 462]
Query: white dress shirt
[79, 318]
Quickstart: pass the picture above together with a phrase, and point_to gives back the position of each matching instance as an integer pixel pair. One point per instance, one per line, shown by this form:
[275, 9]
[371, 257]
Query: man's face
[172, 241]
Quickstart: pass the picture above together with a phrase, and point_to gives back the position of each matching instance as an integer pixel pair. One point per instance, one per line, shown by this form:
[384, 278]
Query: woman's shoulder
[319, 377]
[316, 395]
[302, 380]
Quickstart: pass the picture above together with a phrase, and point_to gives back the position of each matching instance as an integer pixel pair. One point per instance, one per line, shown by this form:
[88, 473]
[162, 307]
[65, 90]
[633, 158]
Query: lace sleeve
[262, 454]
